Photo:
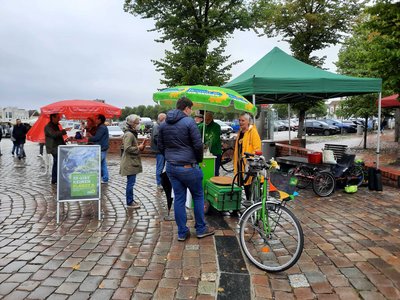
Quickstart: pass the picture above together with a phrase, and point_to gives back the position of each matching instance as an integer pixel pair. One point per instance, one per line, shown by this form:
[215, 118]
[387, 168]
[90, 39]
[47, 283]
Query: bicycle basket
[284, 182]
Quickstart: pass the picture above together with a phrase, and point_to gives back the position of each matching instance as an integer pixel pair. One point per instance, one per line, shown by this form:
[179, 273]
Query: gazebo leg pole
[378, 146]
[290, 132]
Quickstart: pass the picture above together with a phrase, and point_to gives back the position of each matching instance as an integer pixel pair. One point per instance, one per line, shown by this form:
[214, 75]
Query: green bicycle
[270, 235]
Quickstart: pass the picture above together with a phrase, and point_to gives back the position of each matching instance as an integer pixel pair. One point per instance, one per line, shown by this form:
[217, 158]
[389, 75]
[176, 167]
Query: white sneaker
[40, 155]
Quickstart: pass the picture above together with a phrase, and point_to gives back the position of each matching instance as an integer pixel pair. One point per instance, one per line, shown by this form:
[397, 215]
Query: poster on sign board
[78, 172]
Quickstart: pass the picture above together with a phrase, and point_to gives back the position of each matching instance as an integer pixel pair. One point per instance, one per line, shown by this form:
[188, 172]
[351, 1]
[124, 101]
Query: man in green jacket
[212, 139]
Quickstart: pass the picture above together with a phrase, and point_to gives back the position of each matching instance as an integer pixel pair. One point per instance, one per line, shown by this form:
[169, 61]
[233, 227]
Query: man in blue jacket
[180, 142]
[101, 138]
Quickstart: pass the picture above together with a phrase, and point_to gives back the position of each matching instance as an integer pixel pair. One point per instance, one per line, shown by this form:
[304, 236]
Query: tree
[198, 31]
[373, 50]
[307, 25]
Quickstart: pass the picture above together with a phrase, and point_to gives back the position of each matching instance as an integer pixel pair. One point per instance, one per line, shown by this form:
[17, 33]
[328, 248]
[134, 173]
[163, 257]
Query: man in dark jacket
[19, 134]
[180, 142]
[54, 138]
[102, 138]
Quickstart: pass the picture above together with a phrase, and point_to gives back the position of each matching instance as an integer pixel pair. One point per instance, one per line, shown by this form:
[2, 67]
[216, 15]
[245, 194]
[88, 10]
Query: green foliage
[198, 31]
[150, 111]
[373, 50]
[319, 110]
[307, 25]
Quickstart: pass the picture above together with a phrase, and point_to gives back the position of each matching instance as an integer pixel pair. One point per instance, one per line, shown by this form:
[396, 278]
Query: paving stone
[207, 288]
[7, 287]
[304, 293]
[16, 295]
[42, 292]
[369, 295]
[146, 286]
[362, 284]
[164, 294]
[90, 283]
[298, 281]
[102, 294]
[67, 288]
[28, 286]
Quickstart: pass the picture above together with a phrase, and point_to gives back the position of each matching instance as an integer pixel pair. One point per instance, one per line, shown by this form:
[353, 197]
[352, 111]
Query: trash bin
[360, 129]
[268, 149]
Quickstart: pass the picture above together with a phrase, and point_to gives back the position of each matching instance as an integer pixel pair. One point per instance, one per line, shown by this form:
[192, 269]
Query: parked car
[319, 127]
[115, 132]
[225, 128]
[234, 124]
[146, 125]
[344, 127]
[286, 124]
[279, 126]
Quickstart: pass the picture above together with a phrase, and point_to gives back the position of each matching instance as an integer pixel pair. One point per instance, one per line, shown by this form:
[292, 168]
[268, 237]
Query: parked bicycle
[322, 181]
[344, 173]
[227, 158]
[270, 235]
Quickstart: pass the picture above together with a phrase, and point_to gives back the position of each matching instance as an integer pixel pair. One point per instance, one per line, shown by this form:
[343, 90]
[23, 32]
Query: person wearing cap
[198, 118]
[212, 138]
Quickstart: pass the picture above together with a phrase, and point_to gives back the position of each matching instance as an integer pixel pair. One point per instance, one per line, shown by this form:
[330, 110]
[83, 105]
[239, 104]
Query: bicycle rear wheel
[227, 159]
[302, 174]
[356, 175]
[276, 250]
[324, 184]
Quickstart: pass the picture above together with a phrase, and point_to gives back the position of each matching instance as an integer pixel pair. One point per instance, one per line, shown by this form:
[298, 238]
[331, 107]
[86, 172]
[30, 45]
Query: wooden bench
[338, 150]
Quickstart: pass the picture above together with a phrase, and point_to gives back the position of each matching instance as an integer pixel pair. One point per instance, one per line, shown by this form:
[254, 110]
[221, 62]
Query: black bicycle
[227, 159]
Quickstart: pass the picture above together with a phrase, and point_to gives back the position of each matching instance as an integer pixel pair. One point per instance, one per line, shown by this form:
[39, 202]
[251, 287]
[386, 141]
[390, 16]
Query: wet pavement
[352, 245]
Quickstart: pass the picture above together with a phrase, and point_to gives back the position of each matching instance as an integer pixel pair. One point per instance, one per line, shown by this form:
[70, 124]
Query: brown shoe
[209, 231]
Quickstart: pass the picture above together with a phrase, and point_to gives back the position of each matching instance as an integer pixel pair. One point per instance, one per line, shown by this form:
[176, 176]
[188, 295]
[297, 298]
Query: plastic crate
[222, 197]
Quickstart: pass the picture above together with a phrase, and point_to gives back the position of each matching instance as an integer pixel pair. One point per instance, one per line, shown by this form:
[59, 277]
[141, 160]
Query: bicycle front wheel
[275, 244]
[227, 160]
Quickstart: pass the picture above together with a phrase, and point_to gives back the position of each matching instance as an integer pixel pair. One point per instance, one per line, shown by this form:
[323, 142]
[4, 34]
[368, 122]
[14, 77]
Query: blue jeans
[182, 179]
[217, 164]
[15, 149]
[104, 170]
[21, 150]
[130, 183]
[160, 162]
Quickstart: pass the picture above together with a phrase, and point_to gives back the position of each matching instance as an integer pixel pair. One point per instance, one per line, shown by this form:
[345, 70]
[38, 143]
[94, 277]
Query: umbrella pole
[204, 125]
[378, 146]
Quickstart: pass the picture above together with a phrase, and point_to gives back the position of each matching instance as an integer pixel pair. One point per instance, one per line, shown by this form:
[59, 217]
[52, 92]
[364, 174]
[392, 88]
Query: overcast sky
[87, 49]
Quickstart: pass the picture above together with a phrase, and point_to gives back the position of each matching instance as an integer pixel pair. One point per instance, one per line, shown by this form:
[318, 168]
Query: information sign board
[78, 174]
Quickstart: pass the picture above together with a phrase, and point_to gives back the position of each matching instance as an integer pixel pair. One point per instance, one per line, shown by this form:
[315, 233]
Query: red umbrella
[81, 109]
[36, 133]
[391, 101]
[72, 110]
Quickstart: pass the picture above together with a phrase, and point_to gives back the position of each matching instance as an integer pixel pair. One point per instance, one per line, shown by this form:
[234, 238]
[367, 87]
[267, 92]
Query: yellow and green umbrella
[207, 98]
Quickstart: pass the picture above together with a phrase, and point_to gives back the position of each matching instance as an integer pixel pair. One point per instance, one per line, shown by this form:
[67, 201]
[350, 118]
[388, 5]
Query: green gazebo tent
[280, 78]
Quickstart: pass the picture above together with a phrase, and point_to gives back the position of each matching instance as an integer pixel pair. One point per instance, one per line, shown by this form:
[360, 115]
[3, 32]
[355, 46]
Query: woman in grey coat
[131, 163]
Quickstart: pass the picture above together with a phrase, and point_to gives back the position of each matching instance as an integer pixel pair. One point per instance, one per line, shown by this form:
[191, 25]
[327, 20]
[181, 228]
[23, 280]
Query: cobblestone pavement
[352, 244]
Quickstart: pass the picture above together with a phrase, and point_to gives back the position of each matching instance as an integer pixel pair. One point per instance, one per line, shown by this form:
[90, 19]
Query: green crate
[222, 198]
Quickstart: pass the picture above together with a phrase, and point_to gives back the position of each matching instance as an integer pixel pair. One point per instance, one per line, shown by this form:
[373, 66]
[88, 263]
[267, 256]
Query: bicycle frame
[264, 199]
